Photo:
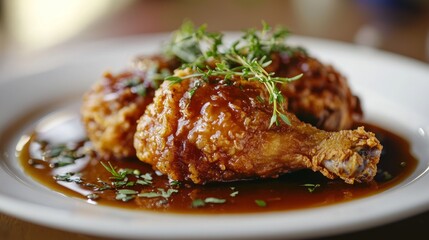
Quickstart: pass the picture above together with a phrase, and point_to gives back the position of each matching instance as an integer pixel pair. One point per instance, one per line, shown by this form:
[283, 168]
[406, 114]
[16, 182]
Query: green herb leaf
[233, 194]
[68, 177]
[116, 175]
[140, 90]
[214, 200]
[103, 186]
[93, 196]
[149, 194]
[310, 186]
[55, 151]
[125, 195]
[246, 58]
[285, 119]
[137, 172]
[143, 182]
[168, 193]
[161, 193]
[196, 203]
[173, 79]
[174, 183]
[62, 155]
[273, 120]
[260, 203]
[127, 191]
[200, 202]
[119, 184]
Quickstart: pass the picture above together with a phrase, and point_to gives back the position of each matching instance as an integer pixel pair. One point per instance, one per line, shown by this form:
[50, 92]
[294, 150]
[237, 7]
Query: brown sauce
[45, 151]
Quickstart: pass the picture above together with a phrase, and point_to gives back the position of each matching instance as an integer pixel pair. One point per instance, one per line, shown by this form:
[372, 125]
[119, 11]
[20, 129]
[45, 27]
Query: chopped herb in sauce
[126, 195]
[117, 175]
[311, 187]
[132, 184]
[198, 203]
[68, 177]
[233, 194]
[260, 203]
[202, 202]
[93, 196]
[160, 193]
[61, 155]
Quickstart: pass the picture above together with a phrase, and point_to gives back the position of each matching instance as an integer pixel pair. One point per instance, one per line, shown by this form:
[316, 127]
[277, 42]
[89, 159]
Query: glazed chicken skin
[112, 106]
[220, 130]
[322, 96]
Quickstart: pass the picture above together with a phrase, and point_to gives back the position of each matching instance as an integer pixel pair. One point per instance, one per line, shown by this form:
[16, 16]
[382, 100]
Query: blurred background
[29, 28]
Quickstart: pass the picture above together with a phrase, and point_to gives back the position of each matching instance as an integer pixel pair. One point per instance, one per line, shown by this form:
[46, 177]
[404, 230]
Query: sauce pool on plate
[58, 155]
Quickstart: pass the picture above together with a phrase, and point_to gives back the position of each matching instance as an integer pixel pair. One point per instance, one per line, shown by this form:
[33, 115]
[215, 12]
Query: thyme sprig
[194, 45]
[117, 175]
[247, 58]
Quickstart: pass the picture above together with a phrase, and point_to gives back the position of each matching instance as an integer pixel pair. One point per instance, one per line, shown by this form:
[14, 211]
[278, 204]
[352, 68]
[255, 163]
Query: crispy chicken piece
[321, 97]
[219, 131]
[111, 108]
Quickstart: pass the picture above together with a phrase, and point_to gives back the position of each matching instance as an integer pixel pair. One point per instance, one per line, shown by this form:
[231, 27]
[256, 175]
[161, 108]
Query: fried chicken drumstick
[218, 130]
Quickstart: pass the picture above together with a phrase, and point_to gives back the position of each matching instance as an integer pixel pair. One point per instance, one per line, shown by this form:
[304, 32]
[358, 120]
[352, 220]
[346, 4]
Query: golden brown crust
[322, 96]
[109, 113]
[222, 133]
[111, 108]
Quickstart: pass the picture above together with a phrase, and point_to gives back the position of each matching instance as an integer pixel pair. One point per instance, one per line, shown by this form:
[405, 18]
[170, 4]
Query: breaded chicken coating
[112, 106]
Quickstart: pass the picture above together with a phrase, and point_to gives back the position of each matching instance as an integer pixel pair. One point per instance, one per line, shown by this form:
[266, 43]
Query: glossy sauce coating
[90, 180]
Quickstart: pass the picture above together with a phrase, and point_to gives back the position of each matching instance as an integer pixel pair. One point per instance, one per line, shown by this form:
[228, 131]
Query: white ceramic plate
[393, 91]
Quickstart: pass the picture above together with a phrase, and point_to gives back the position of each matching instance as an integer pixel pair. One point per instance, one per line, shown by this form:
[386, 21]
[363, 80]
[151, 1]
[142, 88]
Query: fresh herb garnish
[233, 194]
[174, 183]
[310, 186]
[201, 203]
[140, 90]
[246, 59]
[146, 179]
[68, 177]
[126, 195]
[136, 85]
[196, 203]
[92, 196]
[132, 82]
[161, 193]
[143, 182]
[260, 203]
[147, 74]
[103, 185]
[121, 180]
[194, 45]
[117, 175]
[214, 200]
[62, 154]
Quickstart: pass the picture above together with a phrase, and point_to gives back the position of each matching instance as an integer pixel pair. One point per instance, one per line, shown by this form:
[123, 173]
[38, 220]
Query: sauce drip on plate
[58, 155]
